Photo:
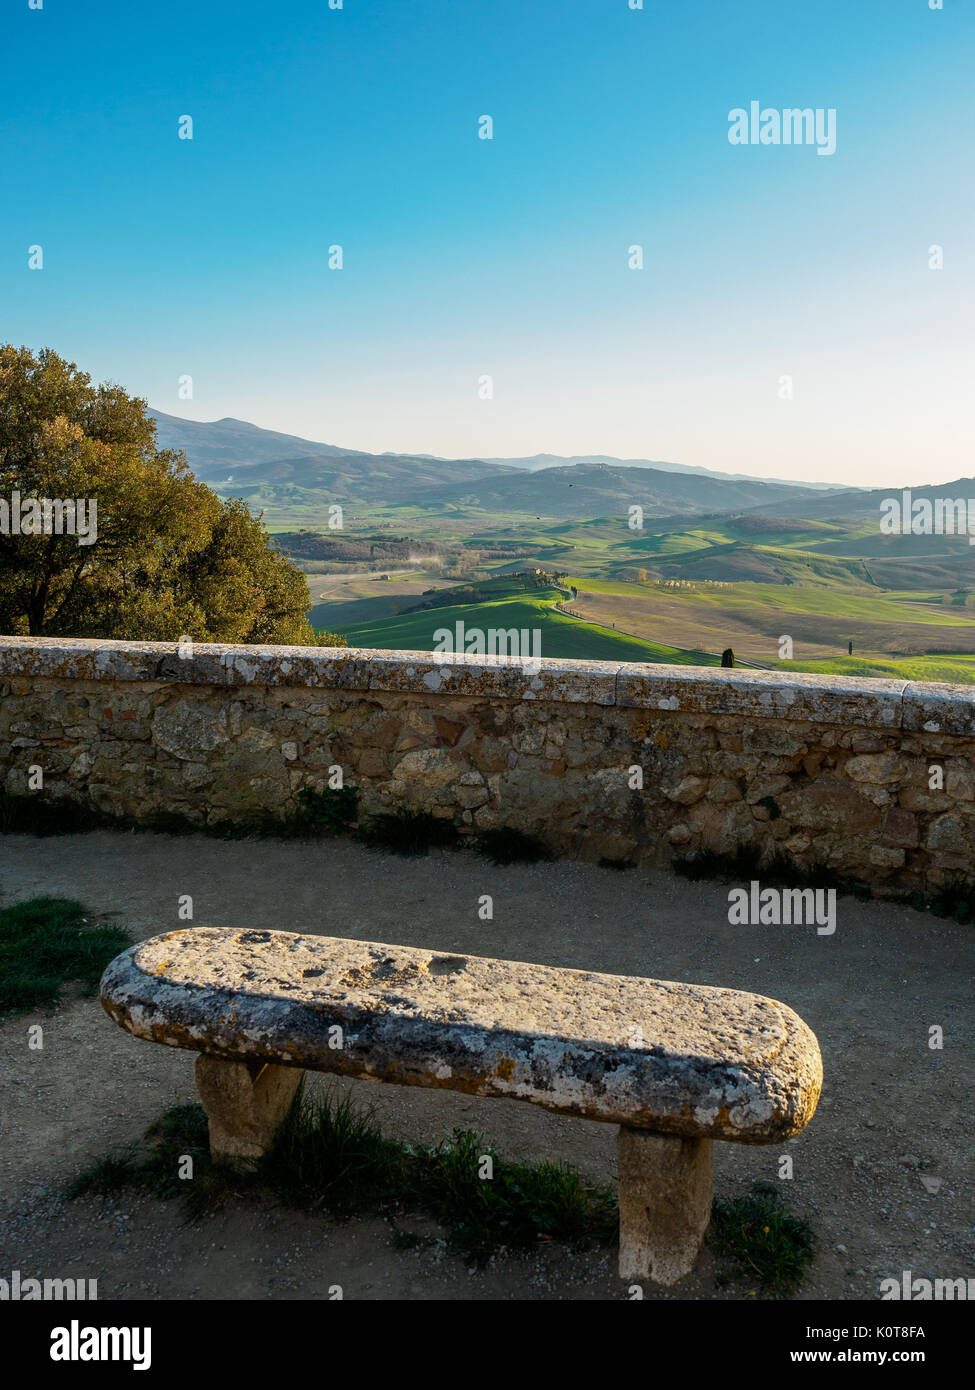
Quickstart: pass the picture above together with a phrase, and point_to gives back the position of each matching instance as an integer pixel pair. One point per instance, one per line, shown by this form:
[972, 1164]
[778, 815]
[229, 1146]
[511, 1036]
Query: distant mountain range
[536, 461]
[268, 467]
[246, 456]
[587, 490]
[229, 442]
[856, 504]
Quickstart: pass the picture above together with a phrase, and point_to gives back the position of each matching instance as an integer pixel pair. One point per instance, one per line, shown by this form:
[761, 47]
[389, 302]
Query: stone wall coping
[841, 700]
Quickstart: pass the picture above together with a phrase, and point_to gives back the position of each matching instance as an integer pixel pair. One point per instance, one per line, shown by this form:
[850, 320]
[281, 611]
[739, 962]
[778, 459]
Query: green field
[743, 582]
[561, 636]
[795, 598]
[957, 670]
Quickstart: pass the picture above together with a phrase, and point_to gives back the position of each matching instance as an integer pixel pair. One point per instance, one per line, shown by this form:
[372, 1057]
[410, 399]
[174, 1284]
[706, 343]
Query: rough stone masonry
[873, 779]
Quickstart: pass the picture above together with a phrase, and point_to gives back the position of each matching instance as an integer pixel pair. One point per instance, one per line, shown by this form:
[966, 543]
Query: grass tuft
[181, 1132]
[955, 898]
[757, 1239]
[104, 1177]
[331, 1156]
[44, 944]
[515, 1208]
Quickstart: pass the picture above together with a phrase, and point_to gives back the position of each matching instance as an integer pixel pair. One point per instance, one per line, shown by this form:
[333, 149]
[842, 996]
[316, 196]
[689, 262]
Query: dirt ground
[883, 1172]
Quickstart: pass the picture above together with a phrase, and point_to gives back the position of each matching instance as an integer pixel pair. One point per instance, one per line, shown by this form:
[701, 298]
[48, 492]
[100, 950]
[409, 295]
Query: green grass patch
[560, 635]
[951, 669]
[46, 943]
[331, 1156]
[758, 1240]
[155, 1164]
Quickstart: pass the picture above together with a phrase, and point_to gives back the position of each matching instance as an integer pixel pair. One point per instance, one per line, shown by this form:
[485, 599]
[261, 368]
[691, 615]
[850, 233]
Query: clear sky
[507, 258]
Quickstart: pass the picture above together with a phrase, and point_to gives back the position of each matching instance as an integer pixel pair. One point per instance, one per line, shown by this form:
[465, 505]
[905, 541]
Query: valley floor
[907, 635]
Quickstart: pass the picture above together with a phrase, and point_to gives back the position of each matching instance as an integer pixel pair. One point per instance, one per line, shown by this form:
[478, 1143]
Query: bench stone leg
[245, 1103]
[665, 1203]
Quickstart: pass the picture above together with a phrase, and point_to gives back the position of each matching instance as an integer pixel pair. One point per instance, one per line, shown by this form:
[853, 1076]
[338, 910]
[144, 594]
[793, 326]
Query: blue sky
[466, 258]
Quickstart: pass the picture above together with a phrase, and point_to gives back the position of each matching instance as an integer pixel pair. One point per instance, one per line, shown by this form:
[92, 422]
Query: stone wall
[833, 771]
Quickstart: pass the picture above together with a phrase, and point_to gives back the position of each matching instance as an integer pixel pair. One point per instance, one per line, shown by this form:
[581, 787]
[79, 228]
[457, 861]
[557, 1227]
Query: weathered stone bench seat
[674, 1065]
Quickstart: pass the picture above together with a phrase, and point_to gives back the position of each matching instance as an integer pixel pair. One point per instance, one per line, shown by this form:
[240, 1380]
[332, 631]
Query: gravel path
[883, 1171]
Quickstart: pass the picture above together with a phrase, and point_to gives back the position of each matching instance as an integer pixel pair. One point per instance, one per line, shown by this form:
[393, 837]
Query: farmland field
[683, 591]
[358, 597]
[560, 635]
[752, 618]
[957, 670]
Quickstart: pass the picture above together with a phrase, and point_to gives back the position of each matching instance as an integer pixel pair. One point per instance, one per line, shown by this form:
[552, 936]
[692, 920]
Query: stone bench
[676, 1066]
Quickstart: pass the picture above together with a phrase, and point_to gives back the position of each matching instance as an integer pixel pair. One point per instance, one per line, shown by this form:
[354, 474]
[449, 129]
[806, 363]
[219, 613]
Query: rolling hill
[586, 490]
[864, 504]
[283, 471]
[536, 461]
[214, 447]
[560, 636]
[240, 459]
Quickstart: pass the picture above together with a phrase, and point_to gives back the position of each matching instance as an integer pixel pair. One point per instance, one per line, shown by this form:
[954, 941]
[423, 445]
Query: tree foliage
[169, 558]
